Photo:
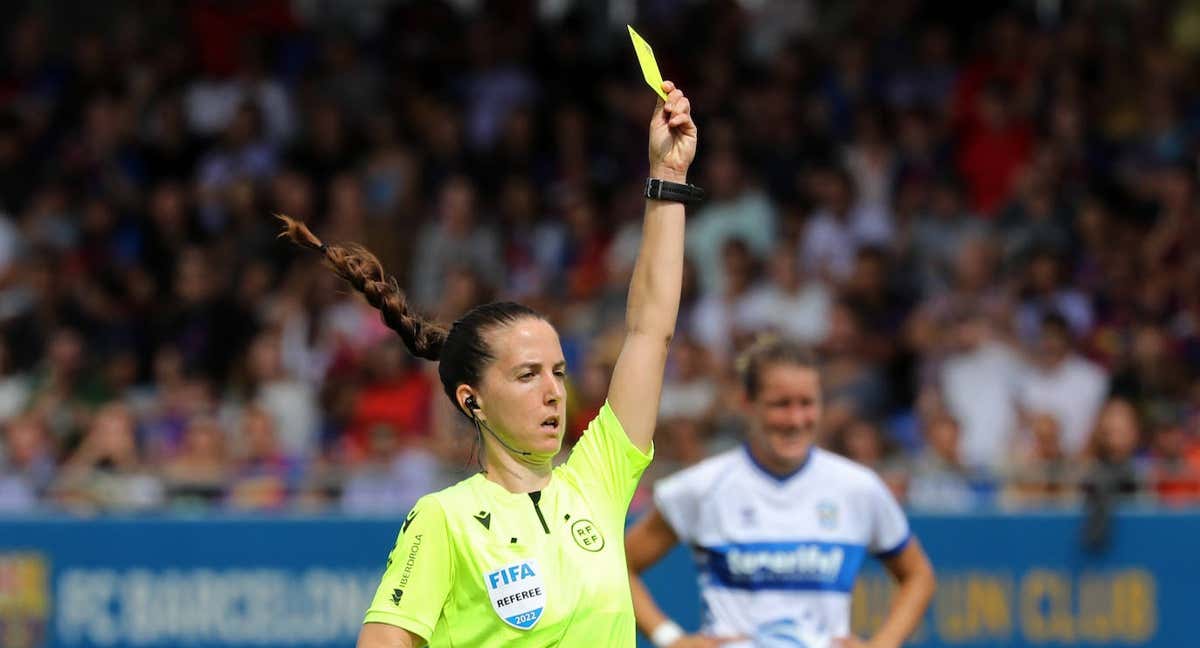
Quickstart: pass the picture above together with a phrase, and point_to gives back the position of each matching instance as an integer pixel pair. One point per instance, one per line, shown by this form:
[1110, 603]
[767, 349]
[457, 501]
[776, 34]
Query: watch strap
[659, 189]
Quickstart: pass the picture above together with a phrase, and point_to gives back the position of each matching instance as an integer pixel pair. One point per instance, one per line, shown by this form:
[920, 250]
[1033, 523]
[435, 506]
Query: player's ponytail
[361, 269]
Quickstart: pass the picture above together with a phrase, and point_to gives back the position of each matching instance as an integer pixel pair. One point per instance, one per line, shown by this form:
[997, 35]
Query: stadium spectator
[690, 389]
[937, 235]
[397, 471]
[734, 211]
[454, 238]
[1041, 473]
[979, 383]
[893, 177]
[27, 464]
[196, 476]
[289, 401]
[394, 398]
[14, 386]
[939, 480]
[787, 303]
[1175, 473]
[1063, 384]
[1115, 471]
[717, 319]
[1046, 293]
[840, 225]
[106, 472]
[262, 476]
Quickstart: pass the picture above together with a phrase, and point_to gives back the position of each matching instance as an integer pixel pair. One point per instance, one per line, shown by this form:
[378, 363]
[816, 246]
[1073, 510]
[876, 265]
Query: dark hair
[770, 351]
[461, 352]
[465, 353]
[1055, 322]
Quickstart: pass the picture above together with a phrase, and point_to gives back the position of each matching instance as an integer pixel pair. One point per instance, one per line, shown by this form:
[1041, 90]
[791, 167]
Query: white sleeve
[677, 499]
[889, 527]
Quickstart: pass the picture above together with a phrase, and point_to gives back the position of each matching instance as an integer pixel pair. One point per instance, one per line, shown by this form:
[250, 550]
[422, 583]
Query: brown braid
[361, 269]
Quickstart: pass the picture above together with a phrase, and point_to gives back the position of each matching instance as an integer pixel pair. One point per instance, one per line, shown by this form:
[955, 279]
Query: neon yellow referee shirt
[476, 565]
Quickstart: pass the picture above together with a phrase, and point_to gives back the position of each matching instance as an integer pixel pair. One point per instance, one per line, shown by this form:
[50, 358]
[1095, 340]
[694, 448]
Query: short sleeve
[604, 455]
[417, 580]
[676, 499]
[889, 527]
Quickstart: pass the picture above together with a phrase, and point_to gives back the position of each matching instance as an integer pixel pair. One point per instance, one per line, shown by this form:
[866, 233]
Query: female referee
[779, 527]
[524, 553]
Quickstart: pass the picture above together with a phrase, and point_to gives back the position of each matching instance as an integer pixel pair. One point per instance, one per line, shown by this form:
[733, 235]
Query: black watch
[658, 189]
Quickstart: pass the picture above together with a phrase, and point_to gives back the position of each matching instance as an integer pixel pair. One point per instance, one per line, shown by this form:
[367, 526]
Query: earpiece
[472, 405]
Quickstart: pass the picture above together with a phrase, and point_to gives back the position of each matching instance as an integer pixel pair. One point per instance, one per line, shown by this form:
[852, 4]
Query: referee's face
[523, 391]
[785, 415]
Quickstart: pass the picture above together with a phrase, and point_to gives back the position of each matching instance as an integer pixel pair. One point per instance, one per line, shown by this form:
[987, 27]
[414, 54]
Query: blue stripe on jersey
[800, 565]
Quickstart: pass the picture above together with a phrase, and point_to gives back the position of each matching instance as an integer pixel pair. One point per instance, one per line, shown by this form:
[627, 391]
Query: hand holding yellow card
[649, 66]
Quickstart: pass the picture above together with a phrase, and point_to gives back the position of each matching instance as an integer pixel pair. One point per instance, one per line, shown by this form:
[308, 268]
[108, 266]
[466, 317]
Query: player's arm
[654, 290]
[646, 542]
[382, 635]
[893, 542]
[915, 585]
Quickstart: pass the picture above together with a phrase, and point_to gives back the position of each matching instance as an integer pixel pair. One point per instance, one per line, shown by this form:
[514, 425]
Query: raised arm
[657, 276]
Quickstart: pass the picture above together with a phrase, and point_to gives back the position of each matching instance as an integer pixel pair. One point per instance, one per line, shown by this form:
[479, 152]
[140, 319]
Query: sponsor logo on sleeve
[410, 560]
[408, 521]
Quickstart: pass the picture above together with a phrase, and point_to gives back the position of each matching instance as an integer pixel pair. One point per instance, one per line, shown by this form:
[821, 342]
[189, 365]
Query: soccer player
[525, 553]
[779, 527]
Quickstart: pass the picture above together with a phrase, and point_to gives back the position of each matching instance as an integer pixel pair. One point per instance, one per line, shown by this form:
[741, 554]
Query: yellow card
[649, 65]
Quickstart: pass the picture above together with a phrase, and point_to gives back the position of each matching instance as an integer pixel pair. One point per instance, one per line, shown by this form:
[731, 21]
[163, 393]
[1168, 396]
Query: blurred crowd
[983, 215]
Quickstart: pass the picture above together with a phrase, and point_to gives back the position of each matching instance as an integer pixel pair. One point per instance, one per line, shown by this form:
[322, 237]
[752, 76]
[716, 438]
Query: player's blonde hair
[767, 351]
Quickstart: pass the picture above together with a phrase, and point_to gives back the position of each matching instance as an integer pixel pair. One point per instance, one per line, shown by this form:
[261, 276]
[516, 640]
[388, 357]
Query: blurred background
[984, 215]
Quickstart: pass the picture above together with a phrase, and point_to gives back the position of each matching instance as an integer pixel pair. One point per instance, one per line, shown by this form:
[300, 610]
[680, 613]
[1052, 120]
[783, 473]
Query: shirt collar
[779, 479]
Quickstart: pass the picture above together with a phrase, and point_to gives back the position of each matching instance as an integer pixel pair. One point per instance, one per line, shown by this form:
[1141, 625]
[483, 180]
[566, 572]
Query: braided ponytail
[361, 269]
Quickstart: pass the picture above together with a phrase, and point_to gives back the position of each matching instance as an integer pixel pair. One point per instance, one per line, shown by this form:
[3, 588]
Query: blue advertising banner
[1004, 580]
[203, 582]
[1024, 581]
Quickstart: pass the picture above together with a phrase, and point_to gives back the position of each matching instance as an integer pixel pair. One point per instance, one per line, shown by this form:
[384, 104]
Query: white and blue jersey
[778, 556]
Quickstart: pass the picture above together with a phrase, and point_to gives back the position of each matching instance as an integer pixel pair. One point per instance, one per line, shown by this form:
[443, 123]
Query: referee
[524, 553]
